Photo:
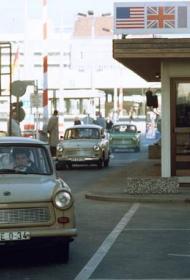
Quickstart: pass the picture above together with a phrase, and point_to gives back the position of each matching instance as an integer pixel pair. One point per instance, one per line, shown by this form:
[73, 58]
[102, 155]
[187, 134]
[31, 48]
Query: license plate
[15, 235]
[78, 159]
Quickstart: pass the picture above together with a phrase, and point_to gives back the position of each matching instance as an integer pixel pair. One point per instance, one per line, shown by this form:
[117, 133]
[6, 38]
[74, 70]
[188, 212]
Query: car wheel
[62, 252]
[100, 164]
[69, 165]
[59, 166]
[106, 162]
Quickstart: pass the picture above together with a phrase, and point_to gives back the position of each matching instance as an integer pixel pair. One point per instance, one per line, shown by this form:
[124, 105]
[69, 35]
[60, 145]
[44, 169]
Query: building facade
[79, 59]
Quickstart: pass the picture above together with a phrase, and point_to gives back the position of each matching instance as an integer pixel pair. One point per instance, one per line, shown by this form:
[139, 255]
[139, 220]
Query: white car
[83, 144]
[36, 206]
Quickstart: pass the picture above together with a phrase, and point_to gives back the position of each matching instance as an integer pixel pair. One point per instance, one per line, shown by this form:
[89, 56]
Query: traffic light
[17, 107]
[151, 99]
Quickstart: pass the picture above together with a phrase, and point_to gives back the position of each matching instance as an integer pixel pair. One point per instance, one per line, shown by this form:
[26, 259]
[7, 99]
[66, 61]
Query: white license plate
[14, 235]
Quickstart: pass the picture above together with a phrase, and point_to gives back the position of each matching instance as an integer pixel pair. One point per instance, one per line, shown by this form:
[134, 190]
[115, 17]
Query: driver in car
[22, 161]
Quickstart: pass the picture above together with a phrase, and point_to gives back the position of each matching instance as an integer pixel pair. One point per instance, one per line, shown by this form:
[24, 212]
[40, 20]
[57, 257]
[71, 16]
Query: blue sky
[12, 12]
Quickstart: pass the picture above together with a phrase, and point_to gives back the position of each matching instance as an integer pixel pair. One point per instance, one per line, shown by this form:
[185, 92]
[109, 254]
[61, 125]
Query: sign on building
[152, 17]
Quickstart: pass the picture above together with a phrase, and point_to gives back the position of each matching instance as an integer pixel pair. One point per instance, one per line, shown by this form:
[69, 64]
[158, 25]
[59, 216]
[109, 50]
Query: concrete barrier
[151, 185]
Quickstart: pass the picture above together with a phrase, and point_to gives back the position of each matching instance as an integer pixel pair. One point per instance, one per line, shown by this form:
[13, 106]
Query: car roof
[84, 126]
[20, 140]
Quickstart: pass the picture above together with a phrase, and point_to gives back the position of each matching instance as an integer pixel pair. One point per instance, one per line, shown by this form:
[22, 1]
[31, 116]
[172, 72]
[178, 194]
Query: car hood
[26, 188]
[84, 143]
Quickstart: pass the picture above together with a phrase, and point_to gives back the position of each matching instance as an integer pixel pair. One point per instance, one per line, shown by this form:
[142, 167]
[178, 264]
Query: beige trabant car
[36, 206]
[83, 144]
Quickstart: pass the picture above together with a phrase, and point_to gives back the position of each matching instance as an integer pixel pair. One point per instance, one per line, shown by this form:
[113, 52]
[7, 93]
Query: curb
[163, 198]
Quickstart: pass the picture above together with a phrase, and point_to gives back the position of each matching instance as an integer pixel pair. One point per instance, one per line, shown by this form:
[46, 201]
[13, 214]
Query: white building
[77, 60]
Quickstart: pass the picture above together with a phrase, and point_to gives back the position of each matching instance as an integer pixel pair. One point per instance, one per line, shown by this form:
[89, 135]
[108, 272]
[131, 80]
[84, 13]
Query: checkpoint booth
[154, 42]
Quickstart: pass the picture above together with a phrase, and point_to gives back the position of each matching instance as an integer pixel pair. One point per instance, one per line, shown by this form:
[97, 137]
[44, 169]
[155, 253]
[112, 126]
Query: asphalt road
[116, 241]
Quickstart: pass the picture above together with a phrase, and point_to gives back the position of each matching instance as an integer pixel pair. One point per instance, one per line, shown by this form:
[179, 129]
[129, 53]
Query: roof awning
[144, 56]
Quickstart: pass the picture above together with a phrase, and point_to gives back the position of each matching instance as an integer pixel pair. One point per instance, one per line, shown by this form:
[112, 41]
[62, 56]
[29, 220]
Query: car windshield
[24, 159]
[82, 133]
[123, 128]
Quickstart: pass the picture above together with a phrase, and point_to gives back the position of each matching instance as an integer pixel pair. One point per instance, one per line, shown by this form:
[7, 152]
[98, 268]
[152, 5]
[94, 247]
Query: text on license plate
[14, 235]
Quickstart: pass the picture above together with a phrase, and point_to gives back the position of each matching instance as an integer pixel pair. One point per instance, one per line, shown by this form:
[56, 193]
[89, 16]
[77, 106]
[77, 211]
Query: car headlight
[60, 148]
[96, 148]
[63, 200]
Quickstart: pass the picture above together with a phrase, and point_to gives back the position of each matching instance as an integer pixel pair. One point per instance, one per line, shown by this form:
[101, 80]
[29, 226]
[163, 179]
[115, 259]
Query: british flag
[161, 17]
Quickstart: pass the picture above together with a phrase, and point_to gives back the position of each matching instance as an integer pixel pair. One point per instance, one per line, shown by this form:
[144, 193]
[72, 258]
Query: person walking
[14, 130]
[77, 121]
[88, 119]
[109, 124]
[100, 120]
[53, 131]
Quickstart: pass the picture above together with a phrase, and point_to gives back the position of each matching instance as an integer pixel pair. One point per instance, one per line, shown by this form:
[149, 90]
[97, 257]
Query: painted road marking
[140, 279]
[157, 229]
[96, 259]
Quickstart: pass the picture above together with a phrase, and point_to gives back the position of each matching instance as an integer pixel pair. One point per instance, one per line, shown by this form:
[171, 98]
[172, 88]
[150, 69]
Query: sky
[61, 12]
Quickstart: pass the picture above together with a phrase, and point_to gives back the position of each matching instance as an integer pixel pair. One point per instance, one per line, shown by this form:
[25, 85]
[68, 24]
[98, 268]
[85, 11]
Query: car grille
[79, 152]
[122, 141]
[24, 215]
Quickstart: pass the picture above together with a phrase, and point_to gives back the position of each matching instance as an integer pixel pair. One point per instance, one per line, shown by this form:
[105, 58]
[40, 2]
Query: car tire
[106, 162]
[59, 166]
[69, 165]
[100, 164]
[62, 252]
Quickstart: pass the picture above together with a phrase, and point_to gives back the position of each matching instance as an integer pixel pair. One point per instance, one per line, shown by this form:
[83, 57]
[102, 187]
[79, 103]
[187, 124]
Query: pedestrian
[13, 125]
[53, 131]
[109, 124]
[77, 121]
[101, 121]
[88, 120]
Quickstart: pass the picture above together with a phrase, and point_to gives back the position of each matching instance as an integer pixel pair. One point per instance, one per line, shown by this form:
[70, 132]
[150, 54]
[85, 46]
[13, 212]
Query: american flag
[161, 17]
[130, 17]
